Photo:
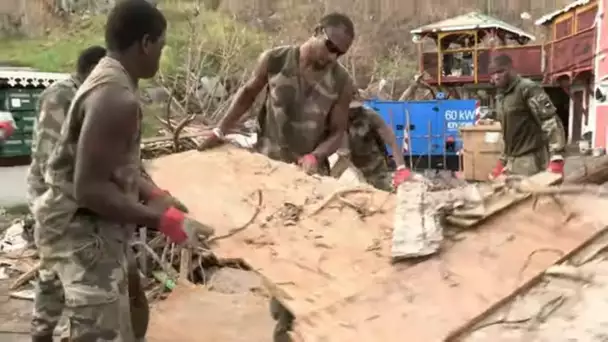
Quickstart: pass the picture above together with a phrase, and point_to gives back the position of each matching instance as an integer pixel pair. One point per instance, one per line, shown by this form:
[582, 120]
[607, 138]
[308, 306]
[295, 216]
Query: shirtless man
[92, 205]
[305, 113]
[54, 104]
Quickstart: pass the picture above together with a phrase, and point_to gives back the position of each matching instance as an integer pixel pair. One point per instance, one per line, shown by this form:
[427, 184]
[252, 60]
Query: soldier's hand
[183, 230]
[400, 176]
[309, 163]
[216, 138]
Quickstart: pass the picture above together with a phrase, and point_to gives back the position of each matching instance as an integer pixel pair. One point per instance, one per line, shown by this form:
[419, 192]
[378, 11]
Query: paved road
[12, 185]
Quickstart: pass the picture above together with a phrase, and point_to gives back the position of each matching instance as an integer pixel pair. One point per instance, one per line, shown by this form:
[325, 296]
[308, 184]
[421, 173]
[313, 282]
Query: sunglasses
[331, 47]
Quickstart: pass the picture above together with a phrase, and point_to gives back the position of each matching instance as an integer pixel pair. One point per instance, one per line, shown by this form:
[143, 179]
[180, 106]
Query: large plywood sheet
[194, 314]
[332, 269]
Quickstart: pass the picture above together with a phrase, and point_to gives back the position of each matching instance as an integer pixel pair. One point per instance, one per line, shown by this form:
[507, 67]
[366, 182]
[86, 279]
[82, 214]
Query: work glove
[556, 165]
[215, 139]
[183, 230]
[400, 176]
[163, 197]
[309, 163]
[498, 170]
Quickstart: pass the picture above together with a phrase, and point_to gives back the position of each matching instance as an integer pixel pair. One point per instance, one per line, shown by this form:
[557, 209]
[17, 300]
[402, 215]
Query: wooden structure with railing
[571, 50]
[462, 48]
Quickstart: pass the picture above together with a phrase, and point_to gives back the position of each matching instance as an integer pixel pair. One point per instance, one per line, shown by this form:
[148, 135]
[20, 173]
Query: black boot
[46, 338]
[284, 320]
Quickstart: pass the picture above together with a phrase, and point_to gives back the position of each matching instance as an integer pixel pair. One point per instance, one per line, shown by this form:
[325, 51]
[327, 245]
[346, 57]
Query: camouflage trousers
[99, 289]
[284, 320]
[381, 181]
[528, 164]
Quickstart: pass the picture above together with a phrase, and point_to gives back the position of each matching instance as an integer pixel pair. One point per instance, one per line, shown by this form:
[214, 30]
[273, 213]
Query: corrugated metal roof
[547, 18]
[24, 78]
[471, 21]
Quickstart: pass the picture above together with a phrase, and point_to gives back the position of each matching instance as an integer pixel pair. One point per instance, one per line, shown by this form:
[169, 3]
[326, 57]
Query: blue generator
[427, 131]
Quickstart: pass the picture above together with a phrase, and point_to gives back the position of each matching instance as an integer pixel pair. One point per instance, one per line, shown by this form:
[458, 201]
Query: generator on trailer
[428, 131]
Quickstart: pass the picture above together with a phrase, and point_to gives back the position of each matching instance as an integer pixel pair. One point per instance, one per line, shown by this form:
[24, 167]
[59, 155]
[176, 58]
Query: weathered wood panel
[332, 269]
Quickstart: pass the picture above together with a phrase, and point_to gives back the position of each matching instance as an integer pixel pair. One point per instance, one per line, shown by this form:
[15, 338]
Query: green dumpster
[19, 94]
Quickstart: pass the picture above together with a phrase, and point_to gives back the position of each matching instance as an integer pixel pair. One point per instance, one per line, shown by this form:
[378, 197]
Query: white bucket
[584, 146]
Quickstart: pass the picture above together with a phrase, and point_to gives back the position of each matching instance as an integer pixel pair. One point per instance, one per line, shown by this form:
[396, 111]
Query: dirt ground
[15, 316]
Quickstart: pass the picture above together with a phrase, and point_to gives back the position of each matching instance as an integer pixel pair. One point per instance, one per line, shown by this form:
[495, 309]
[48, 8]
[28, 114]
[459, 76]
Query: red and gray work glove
[309, 163]
[166, 198]
[181, 229]
[498, 170]
[556, 165]
[400, 176]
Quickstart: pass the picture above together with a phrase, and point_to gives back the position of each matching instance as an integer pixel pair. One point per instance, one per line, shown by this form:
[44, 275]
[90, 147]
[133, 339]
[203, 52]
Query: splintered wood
[417, 231]
[325, 253]
[497, 201]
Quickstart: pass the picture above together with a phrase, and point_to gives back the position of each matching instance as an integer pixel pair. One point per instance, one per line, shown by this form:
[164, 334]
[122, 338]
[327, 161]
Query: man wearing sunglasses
[305, 112]
[308, 92]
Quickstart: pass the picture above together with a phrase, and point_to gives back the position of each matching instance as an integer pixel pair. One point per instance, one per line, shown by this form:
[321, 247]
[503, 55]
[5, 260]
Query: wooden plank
[425, 301]
[500, 201]
[286, 243]
[194, 314]
[591, 171]
[417, 231]
[332, 269]
[463, 330]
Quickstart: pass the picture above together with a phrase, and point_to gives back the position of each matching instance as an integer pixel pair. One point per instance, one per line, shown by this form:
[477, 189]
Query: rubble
[331, 267]
[323, 247]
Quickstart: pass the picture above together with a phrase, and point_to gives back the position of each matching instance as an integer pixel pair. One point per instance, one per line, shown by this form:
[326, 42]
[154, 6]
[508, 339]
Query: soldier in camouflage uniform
[305, 113]
[534, 138]
[92, 204]
[366, 142]
[54, 104]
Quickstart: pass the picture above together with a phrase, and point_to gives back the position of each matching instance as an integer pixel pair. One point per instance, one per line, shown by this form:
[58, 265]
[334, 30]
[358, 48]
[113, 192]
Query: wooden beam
[594, 171]
[498, 202]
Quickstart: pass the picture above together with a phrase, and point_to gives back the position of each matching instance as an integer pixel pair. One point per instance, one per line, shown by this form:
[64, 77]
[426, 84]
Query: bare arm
[344, 149]
[110, 125]
[247, 94]
[338, 123]
[388, 137]
[147, 188]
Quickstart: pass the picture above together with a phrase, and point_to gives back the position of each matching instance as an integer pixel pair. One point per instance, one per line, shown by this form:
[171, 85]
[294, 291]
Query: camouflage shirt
[53, 106]
[367, 150]
[292, 122]
[528, 119]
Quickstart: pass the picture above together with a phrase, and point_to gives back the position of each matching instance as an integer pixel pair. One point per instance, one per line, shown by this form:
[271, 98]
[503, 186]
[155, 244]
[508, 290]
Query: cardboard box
[482, 145]
[477, 166]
